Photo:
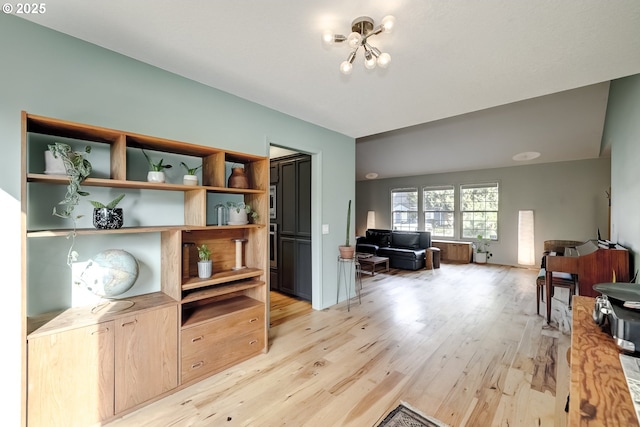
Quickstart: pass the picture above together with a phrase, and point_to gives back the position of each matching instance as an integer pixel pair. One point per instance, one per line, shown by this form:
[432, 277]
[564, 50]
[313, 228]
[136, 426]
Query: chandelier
[362, 29]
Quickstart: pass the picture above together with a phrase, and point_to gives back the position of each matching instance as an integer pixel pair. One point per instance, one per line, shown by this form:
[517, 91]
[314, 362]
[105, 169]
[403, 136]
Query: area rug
[406, 416]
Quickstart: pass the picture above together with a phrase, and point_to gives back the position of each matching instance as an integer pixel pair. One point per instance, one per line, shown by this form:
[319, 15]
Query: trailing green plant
[204, 253]
[111, 205]
[77, 168]
[190, 171]
[157, 167]
[347, 241]
[238, 206]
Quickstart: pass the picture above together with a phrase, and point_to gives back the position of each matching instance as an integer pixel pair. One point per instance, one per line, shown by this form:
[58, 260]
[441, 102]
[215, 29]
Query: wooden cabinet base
[450, 251]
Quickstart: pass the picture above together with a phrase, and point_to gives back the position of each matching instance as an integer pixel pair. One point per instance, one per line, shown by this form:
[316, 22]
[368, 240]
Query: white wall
[568, 200]
[51, 74]
[622, 131]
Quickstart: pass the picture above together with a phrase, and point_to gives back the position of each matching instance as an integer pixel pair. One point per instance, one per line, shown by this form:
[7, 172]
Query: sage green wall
[568, 200]
[48, 73]
[622, 131]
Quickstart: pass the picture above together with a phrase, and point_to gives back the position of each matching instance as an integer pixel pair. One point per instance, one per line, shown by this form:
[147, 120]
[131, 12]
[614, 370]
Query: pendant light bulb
[388, 22]
[327, 38]
[346, 67]
[354, 39]
[383, 60]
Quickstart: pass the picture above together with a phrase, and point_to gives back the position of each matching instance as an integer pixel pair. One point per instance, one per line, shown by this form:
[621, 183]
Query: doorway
[290, 223]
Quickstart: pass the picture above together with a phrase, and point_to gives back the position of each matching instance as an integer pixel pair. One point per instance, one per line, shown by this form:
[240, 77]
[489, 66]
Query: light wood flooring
[462, 343]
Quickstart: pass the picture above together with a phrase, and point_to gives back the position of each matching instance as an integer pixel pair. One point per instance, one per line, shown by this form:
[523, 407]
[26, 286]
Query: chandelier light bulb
[346, 67]
[370, 63]
[354, 39]
[327, 37]
[383, 60]
[388, 22]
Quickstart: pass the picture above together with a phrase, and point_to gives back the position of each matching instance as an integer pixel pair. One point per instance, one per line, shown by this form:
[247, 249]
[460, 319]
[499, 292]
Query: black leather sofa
[405, 249]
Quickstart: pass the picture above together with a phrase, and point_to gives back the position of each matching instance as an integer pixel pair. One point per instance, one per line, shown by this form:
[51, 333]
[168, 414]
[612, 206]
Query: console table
[599, 395]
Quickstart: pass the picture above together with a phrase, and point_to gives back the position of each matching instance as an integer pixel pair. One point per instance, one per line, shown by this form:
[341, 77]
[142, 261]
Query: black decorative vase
[107, 219]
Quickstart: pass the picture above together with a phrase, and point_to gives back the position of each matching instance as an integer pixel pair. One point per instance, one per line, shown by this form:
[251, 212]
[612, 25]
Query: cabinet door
[146, 361]
[303, 191]
[287, 271]
[303, 269]
[287, 203]
[70, 377]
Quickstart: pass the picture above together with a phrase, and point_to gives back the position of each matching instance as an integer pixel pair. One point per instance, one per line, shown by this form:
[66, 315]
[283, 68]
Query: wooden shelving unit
[206, 324]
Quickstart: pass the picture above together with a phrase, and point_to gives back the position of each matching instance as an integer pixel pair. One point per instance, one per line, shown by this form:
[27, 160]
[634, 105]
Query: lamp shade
[371, 219]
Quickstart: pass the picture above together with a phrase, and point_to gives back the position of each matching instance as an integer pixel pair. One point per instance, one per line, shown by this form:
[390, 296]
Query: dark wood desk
[599, 395]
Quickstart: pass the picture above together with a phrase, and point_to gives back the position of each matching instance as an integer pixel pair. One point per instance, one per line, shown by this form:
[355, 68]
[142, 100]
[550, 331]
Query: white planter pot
[481, 257]
[53, 165]
[156, 176]
[190, 180]
[237, 218]
[205, 269]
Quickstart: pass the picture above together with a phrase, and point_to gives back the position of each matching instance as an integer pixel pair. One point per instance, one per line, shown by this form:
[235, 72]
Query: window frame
[451, 212]
[491, 233]
[416, 212]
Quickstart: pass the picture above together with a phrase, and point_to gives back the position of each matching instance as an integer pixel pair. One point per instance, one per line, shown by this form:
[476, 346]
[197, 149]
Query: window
[479, 209]
[404, 209]
[439, 210]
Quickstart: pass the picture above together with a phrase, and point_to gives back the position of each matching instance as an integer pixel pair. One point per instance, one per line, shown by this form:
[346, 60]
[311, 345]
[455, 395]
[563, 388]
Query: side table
[348, 269]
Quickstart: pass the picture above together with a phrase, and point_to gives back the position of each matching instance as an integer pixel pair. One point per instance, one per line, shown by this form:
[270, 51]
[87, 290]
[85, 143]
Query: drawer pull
[133, 322]
[197, 338]
[252, 342]
[255, 319]
[100, 331]
[197, 365]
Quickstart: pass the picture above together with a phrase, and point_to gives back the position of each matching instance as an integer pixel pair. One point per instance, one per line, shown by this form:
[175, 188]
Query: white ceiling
[452, 63]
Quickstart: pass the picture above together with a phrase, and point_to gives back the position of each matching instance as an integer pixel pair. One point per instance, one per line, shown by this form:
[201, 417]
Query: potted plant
[190, 177]
[156, 173]
[107, 217]
[239, 213]
[482, 250]
[205, 265]
[77, 168]
[346, 250]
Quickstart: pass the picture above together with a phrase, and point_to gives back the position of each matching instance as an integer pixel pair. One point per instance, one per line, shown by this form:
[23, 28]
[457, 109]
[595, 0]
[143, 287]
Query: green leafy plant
[111, 205]
[190, 171]
[238, 206]
[77, 168]
[204, 253]
[482, 246]
[157, 167]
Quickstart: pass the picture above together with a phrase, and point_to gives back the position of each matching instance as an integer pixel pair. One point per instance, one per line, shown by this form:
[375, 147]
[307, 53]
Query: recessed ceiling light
[527, 155]
[371, 175]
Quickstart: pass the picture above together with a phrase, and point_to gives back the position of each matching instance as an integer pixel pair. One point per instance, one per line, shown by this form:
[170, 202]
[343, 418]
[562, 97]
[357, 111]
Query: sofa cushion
[381, 238]
[405, 240]
[410, 254]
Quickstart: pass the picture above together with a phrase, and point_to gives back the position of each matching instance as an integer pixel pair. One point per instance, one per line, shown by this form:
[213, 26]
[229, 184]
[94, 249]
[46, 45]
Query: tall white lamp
[371, 219]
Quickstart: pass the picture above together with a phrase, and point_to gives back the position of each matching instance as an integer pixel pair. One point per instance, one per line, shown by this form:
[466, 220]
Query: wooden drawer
[219, 342]
[221, 354]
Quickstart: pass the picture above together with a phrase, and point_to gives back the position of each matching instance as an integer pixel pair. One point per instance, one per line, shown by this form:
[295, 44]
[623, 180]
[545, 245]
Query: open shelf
[201, 314]
[221, 277]
[212, 292]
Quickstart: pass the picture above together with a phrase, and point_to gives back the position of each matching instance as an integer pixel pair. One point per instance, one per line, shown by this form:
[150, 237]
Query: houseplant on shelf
[346, 250]
[107, 217]
[156, 172]
[190, 177]
[239, 213]
[482, 250]
[77, 168]
[205, 265]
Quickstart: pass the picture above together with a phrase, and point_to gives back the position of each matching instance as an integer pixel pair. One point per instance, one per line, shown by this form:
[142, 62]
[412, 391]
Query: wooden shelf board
[134, 230]
[76, 317]
[221, 290]
[205, 313]
[144, 185]
[221, 277]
